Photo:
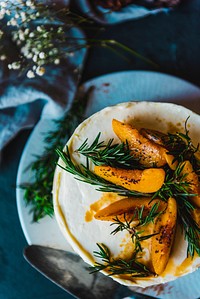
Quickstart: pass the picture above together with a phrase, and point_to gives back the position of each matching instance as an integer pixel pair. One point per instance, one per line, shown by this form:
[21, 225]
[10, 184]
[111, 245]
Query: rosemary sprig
[119, 266]
[101, 153]
[142, 221]
[38, 194]
[84, 174]
[174, 185]
[189, 226]
[181, 147]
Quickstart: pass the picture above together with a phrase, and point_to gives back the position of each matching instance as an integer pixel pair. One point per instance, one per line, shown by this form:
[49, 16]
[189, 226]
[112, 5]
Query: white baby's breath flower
[13, 22]
[16, 65]
[2, 13]
[59, 30]
[56, 61]
[29, 55]
[31, 34]
[32, 16]
[3, 57]
[30, 74]
[35, 58]
[42, 55]
[21, 35]
[23, 16]
[3, 4]
[8, 12]
[26, 31]
[1, 33]
[39, 28]
[15, 36]
[25, 51]
[16, 16]
[29, 3]
[40, 71]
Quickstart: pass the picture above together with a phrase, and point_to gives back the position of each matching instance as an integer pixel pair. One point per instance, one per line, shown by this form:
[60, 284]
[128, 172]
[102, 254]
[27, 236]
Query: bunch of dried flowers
[41, 34]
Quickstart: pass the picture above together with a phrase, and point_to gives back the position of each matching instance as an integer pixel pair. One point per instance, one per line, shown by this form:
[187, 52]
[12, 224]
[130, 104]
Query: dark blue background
[173, 41]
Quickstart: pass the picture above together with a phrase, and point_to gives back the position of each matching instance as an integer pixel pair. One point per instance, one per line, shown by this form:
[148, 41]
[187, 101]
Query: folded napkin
[23, 101]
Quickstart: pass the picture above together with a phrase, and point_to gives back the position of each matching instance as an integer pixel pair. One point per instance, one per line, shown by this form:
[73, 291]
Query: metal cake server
[70, 272]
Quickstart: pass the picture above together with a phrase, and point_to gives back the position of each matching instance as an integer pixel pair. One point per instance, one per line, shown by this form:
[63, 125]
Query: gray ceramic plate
[109, 90]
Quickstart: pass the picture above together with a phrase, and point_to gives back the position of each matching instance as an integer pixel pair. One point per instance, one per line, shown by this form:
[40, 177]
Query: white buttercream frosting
[72, 198]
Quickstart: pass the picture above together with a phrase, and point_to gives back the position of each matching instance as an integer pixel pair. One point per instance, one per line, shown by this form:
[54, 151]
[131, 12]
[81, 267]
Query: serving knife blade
[70, 272]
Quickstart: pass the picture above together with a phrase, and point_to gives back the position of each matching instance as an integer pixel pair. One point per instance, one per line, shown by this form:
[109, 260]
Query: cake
[101, 209]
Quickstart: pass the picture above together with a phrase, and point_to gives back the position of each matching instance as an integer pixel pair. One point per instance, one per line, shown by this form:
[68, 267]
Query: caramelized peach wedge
[162, 241]
[146, 181]
[146, 150]
[128, 206]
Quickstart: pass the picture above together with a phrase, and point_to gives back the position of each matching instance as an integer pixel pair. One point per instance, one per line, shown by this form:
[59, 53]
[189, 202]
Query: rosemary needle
[116, 155]
[119, 266]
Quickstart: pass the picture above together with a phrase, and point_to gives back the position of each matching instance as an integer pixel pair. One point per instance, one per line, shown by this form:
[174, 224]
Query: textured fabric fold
[108, 16]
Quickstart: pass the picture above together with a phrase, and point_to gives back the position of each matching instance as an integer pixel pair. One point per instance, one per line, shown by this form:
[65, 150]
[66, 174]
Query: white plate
[109, 90]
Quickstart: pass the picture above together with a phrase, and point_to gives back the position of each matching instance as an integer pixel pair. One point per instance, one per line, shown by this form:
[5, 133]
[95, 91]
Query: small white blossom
[16, 65]
[25, 51]
[30, 74]
[57, 61]
[3, 4]
[35, 58]
[15, 36]
[13, 22]
[21, 35]
[29, 3]
[16, 16]
[40, 71]
[31, 34]
[39, 28]
[42, 55]
[3, 57]
[29, 55]
[2, 13]
[23, 16]
[8, 12]
[1, 33]
[26, 31]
